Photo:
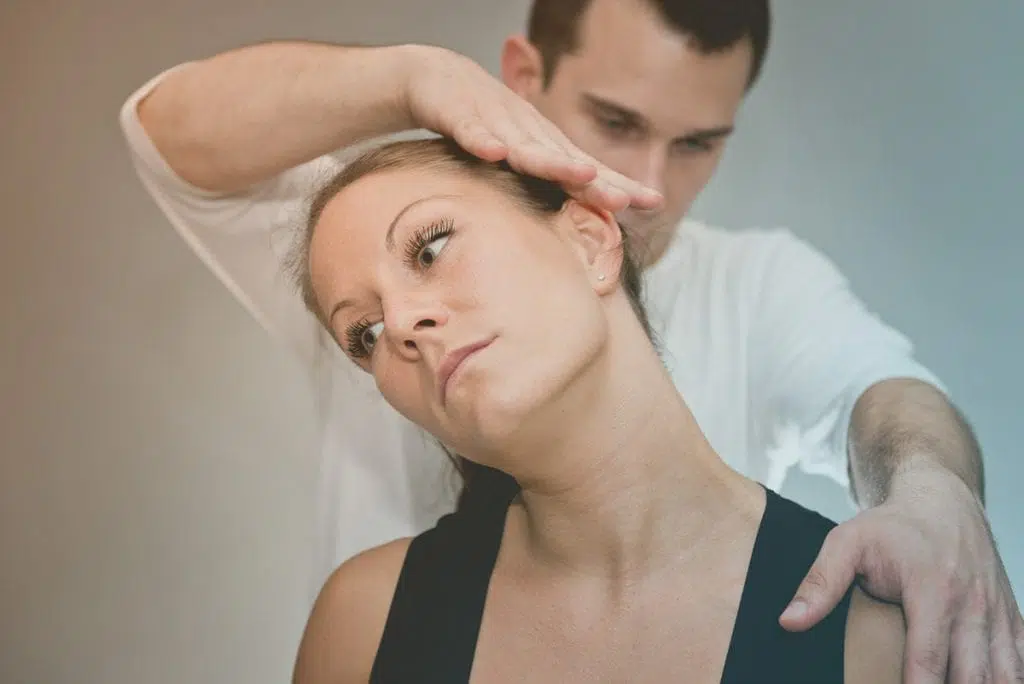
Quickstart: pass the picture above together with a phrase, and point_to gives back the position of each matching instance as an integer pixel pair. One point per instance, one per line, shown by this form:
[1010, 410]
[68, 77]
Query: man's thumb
[826, 582]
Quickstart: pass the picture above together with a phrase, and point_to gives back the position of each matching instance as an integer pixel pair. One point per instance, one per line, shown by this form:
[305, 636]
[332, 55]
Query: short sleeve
[244, 238]
[815, 348]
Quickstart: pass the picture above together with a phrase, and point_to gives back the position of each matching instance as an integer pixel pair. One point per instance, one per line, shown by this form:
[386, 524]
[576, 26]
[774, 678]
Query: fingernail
[796, 610]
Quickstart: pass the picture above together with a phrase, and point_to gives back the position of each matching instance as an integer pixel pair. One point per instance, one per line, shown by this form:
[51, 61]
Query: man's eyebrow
[613, 108]
[389, 242]
[389, 237]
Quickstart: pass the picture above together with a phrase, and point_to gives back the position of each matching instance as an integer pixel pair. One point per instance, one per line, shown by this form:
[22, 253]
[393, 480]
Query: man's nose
[648, 167]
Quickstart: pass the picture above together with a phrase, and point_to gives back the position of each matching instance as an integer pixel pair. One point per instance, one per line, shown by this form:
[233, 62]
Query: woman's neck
[627, 484]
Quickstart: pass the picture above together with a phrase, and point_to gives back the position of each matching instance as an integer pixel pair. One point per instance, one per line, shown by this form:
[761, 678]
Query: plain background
[157, 453]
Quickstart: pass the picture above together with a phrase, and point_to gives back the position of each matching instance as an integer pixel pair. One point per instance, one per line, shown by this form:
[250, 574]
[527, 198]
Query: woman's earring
[600, 277]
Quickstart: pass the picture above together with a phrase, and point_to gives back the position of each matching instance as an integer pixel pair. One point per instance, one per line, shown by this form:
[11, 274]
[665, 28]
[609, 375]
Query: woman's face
[473, 315]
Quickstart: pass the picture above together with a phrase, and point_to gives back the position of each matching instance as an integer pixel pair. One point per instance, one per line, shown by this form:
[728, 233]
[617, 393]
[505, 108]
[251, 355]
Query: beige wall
[156, 467]
[156, 462]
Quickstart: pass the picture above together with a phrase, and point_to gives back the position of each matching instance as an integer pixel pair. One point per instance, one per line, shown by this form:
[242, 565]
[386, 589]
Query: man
[760, 331]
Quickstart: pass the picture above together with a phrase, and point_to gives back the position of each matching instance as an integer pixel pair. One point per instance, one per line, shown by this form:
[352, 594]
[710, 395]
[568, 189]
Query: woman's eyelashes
[361, 337]
[421, 251]
[425, 246]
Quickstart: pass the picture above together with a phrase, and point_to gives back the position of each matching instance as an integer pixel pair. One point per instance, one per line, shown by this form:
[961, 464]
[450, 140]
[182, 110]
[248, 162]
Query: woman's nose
[412, 323]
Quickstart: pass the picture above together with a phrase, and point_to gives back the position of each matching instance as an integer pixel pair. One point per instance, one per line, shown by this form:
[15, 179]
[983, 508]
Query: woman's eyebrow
[344, 303]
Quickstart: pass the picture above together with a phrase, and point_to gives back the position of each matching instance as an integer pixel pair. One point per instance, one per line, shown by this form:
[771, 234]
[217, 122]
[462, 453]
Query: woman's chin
[497, 416]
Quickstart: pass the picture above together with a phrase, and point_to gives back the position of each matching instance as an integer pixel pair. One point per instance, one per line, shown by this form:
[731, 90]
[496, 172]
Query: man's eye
[616, 125]
[428, 255]
[691, 146]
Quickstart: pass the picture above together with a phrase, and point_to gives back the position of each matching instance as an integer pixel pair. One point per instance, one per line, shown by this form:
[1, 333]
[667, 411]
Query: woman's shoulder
[875, 639]
[875, 631]
[347, 621]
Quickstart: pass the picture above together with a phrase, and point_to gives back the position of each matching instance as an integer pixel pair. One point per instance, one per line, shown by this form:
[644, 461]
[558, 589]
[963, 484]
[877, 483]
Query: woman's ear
[597, 240]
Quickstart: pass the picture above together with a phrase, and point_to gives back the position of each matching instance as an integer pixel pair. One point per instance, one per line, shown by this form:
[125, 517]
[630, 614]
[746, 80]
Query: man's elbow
[175, 133]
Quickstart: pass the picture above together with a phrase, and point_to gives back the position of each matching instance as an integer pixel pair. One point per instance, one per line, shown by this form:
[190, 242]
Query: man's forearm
[901, 423]
[245, 115]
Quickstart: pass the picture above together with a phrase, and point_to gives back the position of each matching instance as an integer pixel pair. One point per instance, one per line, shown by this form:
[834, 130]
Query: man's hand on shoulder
[928, 547]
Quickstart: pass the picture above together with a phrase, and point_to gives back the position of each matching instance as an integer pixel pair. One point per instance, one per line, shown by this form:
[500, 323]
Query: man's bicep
[244, 238]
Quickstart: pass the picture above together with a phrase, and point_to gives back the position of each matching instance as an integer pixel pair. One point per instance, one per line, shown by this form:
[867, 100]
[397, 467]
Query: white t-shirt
[760, 332]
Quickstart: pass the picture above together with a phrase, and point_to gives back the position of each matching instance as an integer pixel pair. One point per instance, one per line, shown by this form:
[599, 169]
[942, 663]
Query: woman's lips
[451, 362]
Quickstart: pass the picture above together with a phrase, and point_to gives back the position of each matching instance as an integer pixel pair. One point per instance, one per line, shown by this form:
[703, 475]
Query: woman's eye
[431, 250]
[370, 335]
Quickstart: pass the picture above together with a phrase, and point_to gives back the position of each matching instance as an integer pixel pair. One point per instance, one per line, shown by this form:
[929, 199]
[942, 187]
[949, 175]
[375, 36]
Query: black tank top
[434, 620]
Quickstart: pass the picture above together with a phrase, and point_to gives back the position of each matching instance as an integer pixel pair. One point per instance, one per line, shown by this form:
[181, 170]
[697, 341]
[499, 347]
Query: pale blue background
[889, 135]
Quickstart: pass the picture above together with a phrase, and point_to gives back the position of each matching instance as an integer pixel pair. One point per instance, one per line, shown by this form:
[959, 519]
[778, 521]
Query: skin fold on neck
[622, 483]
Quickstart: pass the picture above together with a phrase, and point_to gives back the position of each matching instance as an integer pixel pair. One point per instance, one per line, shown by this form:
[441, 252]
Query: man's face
[639, 98]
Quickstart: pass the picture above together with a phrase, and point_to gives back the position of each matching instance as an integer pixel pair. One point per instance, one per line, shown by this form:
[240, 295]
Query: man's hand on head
[928, 546]
[452, 95]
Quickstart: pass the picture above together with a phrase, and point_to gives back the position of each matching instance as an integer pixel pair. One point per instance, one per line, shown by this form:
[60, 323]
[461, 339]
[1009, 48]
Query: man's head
[649, 87]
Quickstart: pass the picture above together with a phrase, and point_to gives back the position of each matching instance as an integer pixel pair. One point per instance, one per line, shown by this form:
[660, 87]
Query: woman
[505, 319]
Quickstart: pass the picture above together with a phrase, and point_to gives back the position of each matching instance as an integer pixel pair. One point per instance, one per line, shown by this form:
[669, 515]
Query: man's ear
[597, 239]
[522, 67]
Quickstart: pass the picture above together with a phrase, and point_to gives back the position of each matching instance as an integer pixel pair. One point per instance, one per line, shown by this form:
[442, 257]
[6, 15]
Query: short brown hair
[713, 25]
[543, 198]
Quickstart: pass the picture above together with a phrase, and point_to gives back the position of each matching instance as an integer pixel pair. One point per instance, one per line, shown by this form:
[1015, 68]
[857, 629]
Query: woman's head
[418, 253]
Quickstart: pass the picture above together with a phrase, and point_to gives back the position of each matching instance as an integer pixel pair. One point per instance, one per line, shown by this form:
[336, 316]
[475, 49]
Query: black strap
[434, 621]
[435, 616]
[761, 651]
